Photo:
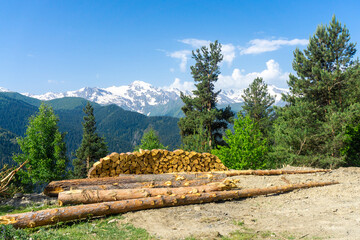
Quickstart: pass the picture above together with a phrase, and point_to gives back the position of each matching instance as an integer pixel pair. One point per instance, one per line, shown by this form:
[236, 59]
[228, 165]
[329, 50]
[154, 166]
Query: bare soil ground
[330, 212]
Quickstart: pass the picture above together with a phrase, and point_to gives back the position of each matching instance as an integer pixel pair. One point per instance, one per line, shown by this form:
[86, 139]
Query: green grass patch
[108, 228]
[100, 229]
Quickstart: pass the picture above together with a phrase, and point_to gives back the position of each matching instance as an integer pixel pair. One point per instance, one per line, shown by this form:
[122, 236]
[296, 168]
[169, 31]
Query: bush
[8, 232]
[246, 148]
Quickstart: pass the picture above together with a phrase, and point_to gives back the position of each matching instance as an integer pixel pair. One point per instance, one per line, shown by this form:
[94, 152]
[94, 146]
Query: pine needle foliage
[92, 148]
[201, 108]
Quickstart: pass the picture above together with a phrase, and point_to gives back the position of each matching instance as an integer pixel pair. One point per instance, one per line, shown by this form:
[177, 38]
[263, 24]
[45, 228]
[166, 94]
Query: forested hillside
[8, 146]
[122, 129]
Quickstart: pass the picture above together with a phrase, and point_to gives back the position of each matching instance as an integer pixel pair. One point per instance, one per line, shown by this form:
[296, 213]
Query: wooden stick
[6, 180]
[51, 216]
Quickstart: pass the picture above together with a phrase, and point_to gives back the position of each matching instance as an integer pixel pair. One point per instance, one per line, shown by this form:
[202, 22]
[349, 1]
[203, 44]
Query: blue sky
[66, 45]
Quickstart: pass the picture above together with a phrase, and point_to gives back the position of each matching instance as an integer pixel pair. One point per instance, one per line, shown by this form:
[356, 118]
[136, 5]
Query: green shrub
[8, 232]
[246, 148]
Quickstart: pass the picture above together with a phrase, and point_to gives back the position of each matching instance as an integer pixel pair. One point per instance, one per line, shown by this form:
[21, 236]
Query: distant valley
[122, 113]
[122, 129]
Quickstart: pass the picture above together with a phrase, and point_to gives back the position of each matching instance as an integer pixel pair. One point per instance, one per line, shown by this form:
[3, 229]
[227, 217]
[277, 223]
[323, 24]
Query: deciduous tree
[44, 147]
[149, 141]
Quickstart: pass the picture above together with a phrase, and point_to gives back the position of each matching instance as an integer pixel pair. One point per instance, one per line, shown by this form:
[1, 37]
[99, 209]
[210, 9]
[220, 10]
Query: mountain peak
[144, 98]
[4, 89]
[140, 85]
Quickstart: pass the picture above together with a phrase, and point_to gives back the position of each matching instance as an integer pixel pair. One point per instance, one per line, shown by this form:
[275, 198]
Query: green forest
[121, 129]
[318, 126]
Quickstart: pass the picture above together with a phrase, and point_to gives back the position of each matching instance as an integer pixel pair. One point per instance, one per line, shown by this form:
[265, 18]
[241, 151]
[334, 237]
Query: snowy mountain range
[144, 98]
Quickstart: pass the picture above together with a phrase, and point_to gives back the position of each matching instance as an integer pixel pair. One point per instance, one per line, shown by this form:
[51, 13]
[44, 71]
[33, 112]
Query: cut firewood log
[94, 196]
[52, 216]
[155, 161]
[54, 188]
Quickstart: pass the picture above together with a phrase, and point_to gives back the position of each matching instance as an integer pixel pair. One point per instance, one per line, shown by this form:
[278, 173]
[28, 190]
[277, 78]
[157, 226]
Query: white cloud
[262, 45]
[228, 50]
[183, 55]
[182, 86]
[195, 43]
[238, 80]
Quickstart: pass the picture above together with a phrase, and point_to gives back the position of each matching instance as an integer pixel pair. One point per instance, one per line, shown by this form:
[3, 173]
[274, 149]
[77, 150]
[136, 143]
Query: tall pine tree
[200, 110]
[311, 128]
[324, 69]
[258, 104]
[92, 148]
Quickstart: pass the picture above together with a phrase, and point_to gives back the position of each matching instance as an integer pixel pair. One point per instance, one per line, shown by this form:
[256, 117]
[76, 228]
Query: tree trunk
[54, 188]
[94, 196]
[270, 172]
[52, 216]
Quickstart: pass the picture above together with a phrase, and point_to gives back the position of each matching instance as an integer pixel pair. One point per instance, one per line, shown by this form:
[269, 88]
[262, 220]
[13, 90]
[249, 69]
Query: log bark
[52, 216]
[54, 188]
[87, 196]
[269, 172]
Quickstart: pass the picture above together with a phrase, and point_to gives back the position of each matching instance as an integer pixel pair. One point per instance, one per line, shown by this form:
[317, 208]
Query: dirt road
[331, 212]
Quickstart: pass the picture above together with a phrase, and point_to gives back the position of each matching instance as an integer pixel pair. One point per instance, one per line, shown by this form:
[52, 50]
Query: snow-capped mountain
[144, 98]
[4, 89]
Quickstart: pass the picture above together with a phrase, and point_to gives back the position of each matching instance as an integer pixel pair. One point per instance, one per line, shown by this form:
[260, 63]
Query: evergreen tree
[201, 109]
[149, 141]
[311, 128]
[246, 147]
[258, 104]
[324, 68]
[92, 148]
[44, 147]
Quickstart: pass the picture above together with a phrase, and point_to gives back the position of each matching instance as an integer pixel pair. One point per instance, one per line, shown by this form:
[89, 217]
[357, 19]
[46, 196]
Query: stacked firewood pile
[130, 192]
[156, 161]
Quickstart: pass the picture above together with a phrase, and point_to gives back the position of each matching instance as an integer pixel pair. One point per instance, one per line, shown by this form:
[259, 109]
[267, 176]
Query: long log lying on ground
[269, 172]
[54, 188]
[94, 196]
[52, 216]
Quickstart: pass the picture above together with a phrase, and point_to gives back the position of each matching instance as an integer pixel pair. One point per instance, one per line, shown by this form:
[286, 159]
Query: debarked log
[52, 216]
[270, 172]
[87, 196]
[54, 188]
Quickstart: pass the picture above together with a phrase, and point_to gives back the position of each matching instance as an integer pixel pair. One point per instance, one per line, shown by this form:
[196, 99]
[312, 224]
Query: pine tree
[44, 147]
[311, 128]
[149, 141]
[258, 104]
[201, 109]
[324, 68]
[92, 148]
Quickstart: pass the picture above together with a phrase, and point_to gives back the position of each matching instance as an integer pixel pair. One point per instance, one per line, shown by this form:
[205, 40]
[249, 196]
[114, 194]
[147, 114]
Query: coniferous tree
[311, 128]
[149, 141]
[44, 147]
[92, 148]
[200, 111]
[258, 104]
